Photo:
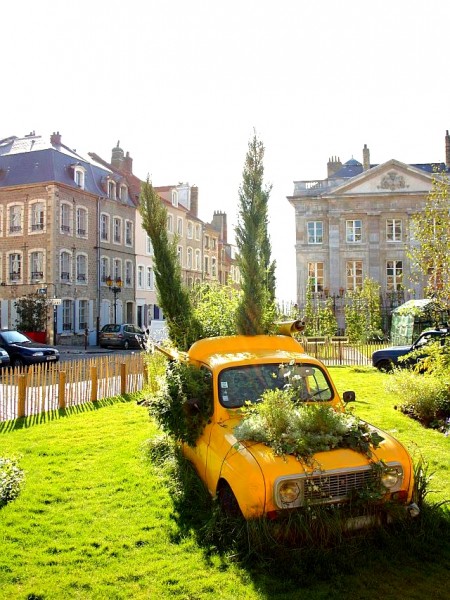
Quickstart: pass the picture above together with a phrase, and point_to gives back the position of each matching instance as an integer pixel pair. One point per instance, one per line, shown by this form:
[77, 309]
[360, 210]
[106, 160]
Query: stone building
[67, 229]
[356, 223]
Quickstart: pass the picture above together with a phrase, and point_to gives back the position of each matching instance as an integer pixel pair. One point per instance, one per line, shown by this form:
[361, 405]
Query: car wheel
[384, 365]
[18, 362]
[227, 501]
[126, 345]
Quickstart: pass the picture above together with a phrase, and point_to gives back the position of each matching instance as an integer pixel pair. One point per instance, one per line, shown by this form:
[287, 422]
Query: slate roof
[25, 161]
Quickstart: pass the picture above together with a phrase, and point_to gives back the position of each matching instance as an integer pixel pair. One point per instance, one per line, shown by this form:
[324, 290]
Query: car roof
[228, 350]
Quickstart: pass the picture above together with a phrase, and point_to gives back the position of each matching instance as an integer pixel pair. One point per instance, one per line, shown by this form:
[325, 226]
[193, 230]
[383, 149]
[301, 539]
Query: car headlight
[392, 477]
[37, 354]
[289, 491]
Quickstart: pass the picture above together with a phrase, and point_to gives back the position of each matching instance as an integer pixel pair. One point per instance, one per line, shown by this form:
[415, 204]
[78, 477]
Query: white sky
[183, 83]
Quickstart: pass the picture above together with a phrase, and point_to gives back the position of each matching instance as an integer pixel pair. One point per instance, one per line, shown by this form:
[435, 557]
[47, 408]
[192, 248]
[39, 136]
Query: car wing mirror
[349, 396]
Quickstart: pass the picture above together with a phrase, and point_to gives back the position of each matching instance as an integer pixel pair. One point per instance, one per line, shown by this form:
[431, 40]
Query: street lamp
[116, 287]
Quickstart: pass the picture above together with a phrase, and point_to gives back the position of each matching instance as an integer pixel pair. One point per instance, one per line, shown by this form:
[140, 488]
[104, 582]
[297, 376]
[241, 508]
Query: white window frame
[36, 261]
[149, 246]
[65, 266]
[140, 277]
[112, 190]
[65, 218]
[198, 230]
[179, 226]
[189, 257]
[315, 232]
[79, 176]
[81, 269]
[15, 218]
[67, 315]
[128, 273]
[394, 271]
[353, 231]
[15, 266]
[316, 273]
[82, 222]
[36, 216]
[394, 230]
[180, 255]
[189, 230]
[83, 312]
[105, 226]
[170, 223]
[117, 228]
[174, 198]
[354, 273]
[104, 269]
[149, 278]
[128, 232]
[198, 260]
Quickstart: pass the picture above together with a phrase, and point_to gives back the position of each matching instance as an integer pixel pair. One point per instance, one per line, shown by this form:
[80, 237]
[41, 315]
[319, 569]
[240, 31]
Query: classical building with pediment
[356, 223]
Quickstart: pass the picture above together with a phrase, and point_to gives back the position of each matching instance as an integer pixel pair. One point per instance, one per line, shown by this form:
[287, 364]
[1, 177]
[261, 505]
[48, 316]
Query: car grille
[338, 486]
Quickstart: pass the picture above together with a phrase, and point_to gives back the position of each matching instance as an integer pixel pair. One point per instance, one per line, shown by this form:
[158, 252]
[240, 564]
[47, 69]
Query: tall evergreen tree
[173, 296]
[256, 309]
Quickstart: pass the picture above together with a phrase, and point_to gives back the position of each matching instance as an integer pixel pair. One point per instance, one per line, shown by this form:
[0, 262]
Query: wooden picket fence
[45, 387]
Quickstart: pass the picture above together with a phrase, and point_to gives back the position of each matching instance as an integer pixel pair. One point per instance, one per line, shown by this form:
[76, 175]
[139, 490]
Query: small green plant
[303, 430]
[182, 403]
[11, 479]
[31, 312]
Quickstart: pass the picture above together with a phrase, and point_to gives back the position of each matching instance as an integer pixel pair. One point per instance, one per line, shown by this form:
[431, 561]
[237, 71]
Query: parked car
[5, 361]
[247, 477]
[121, 336]
[24, 351]
[388, 358]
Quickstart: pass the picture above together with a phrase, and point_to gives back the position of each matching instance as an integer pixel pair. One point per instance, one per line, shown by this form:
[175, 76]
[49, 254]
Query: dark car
[24, 351]
[5, 361]
[121, 336]
[387, 358]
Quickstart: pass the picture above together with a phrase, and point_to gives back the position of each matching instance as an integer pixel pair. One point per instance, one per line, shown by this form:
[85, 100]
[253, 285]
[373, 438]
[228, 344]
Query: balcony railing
[81, 277]
[67, 326]
[14, 275]
[65, 276]
[15, 228]
[37, 274]
[81, 231]
[65, 228]
[37, 226]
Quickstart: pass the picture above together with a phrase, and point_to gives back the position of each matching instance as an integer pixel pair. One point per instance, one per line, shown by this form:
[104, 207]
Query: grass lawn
[95, 521]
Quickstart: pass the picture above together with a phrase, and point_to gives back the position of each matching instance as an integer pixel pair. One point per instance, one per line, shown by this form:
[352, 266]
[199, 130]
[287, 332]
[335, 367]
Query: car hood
[34, 346]
[393, 351]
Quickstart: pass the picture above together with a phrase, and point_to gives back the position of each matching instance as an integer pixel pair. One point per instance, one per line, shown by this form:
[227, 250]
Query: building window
[315, 232]
[180, 255]
[206, 244]
[198, 264]
[64, 270]
[37, 216]
[354, 272]
[65, 218]
[15, 218]
[189, 230]
[79, 177]
[67, 312]
[315, 276]
[189, 258]
[117, 230]
[170, 223]
[197, 232]
[394, 275]
[81, 268]
[111, 190]
[104, 227]
[81, 221]
[128, 273]
[140, 277]
[117, 269]
[149, 278]
[82, 314]
[213, 267]
[213, 243]
[149, 246]
[129, 233]
[15, 266]
[123, 193]
[206, 265]
[174, 198]
[394, 230]
[37, 266]
[104, 269]
[179, 226]
[353, 231]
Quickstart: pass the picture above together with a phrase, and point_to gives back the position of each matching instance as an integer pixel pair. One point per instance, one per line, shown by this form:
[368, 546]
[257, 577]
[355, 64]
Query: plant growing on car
[182, 402]
[303, 429]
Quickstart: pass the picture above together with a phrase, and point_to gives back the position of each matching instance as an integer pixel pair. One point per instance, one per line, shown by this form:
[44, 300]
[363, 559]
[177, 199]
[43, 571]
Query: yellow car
[247, 476]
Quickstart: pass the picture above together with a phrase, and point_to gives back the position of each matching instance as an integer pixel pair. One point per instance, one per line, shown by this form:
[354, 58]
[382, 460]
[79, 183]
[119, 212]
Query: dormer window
[79, 175]
[111, 189]
[174, 198]
[123, 192]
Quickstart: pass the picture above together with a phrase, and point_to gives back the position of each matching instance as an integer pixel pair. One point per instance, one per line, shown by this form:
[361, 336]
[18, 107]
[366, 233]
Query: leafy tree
[31, 312]
[173, 296]
[430, 256]
[256, 309]
[215, 307]
[363, 312]
[327, 319]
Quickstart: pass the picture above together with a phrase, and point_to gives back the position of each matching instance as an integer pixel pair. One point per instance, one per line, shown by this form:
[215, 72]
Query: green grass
[95, 520]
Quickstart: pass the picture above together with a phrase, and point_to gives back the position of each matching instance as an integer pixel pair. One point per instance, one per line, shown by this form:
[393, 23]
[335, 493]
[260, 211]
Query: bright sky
[183, 83]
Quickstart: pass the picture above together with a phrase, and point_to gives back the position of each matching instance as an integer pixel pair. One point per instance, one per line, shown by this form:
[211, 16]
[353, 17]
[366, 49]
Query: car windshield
[14, 337]
[111, 329]
[238, 385]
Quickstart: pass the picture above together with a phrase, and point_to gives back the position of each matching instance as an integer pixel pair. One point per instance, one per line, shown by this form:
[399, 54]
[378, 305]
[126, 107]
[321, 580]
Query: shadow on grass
[297, 555]
[53, 415]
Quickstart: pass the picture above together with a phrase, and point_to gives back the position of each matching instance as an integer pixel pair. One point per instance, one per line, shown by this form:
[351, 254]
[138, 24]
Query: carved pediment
[392, 181]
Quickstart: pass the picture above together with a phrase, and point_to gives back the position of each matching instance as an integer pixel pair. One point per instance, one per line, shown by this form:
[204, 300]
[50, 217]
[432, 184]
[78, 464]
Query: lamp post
[116, 287]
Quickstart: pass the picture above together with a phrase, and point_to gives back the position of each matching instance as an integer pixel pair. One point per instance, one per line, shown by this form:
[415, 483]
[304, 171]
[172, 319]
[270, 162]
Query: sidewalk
[65, 349]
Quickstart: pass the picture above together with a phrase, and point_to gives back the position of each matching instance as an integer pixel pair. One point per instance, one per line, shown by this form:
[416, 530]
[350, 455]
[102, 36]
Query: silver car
[121, 336]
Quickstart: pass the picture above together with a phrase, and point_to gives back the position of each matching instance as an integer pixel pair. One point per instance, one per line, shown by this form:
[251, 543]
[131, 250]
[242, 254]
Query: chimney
[127, 164]
[447, 150]
[55, 139]
[117, 156]
[219, 223]
[194, 200]
[366, 158]
[333, 166]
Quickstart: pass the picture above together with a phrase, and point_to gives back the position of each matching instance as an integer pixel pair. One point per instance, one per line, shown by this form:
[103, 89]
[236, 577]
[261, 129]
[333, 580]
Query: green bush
[425, 397]
[182, 402]
[11, 479]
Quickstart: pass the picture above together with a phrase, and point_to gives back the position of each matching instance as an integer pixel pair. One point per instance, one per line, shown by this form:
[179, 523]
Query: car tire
[126, 345]
[227, 501]
[384, 365]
